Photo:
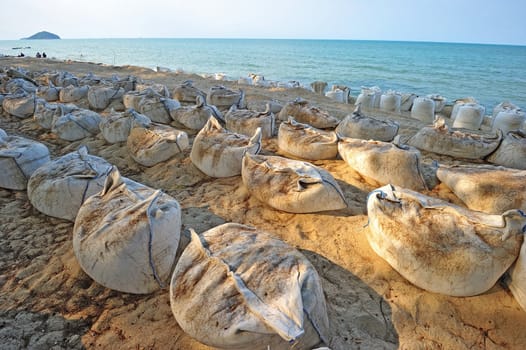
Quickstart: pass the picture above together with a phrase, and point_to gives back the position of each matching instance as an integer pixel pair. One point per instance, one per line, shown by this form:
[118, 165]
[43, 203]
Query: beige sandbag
[155, 143]
[77, 124]
[439, 139]
[516, 278]
[440, 102]
[19, 158]
[469, 116]
[503, 106]
[359, 126]
[291, 185]
[117, 126]
[25, 84]
[131, 99]
[406, 101]
[224, 98]
[303, 113]
[391, 102]
[306, 142]
[73, 93]
[158, 109]
[441, 247]
[384, 162]
[508, 120]
[423, 109]
[511, 152]
[487, 188]
[49, 93]
[217, 152]
[187, 93]
[236, 287]
[100, 97]
[195, 117]
[246, 121]
[59, 187]
[126, 236]
[459, 103]
[47, 113]
[21, 105]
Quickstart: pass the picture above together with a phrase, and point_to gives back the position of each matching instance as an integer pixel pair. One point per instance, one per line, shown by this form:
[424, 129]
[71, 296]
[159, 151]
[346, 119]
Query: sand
[48, 302]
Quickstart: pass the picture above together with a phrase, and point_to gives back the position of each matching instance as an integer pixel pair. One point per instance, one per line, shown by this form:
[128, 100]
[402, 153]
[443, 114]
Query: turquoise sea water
[490, 73]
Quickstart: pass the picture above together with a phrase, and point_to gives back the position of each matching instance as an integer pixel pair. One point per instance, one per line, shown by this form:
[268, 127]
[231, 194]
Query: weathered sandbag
[128, 84]
[13, 86]
[19, 158]
[64, 79]
[511, 152]
[306, 142]
[390, 102]
[224, 98]
[155, 143]
[300, 110]
[346, 92]
[291, 185]
[46, 113]
[217, 152]
[336, 95]
[441, 247]
[73, 93]
[503, 106]
[77, 124]
[236, 287]
[195, 117]
[366, 99]
[246, 121]
[406, 101]
[59, 187]
[100, 97]
[131, 99]
[158, 109]
[159, 89]
[187, 93]
[516, 278]
[423, 109]
[126, 236]
[319, 86]
[49, 93]
[459, 103]
[508, 120]
[469, 116]
[117, 126]
[440, 102]
[384, 162]
[359, 126]
[21, 105]
[439, 139]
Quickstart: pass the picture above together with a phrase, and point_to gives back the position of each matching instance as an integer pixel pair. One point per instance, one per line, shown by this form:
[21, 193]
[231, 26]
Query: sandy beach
[48, 302]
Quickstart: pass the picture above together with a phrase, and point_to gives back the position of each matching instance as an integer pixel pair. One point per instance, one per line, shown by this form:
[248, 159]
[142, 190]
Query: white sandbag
[440, 102]
[158, 109]
[49, 93]
[77, 124]
[390, 102]
[359, 126]
[46, 113]
[187, 93]
[469, 116]
[345, 90]
[59, 187]
[246, 121]
[459, 103]
[19, 158]
[195, 117]
[423, 109]
[291, 185]
[516, 278]
[503, 106]
[302, 112]
[117, 126]
[73, 93]
[508, 120]
[126, 236]
[406, 101]
[158, 89]
[217, 152]
[100, 98]
[236, 287]
[131, 99]
[224, 98]
[441, 247]
[21, 105]
[366, 99]
[155, 143]
[384, 162]
[65, 79]
[336, 95]
[14, 86]
[511, 152]
[306, 142]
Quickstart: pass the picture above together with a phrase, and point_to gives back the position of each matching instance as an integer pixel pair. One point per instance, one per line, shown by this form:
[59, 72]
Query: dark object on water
[42, 35]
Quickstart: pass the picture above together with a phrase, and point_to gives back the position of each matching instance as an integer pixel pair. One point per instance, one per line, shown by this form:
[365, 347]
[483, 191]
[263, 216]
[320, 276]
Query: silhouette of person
[38, 55]
[44, 55]
[21, 54]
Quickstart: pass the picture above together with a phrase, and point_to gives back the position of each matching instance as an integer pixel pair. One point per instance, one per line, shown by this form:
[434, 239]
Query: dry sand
[48, 302]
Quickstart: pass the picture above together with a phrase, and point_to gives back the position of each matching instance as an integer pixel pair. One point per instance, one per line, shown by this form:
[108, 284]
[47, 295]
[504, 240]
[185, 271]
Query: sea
[489, 73]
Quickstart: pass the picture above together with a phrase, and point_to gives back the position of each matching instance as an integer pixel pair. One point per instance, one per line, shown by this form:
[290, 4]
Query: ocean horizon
[491, 73]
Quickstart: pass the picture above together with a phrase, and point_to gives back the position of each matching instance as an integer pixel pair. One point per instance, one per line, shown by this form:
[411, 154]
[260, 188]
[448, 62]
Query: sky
[467, 21]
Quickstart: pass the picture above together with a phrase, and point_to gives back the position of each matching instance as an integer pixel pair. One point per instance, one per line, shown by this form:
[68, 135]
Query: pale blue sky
[473, 21]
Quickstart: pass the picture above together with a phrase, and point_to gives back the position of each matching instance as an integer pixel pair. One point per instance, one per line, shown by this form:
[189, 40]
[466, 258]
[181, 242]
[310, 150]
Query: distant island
[42, 35]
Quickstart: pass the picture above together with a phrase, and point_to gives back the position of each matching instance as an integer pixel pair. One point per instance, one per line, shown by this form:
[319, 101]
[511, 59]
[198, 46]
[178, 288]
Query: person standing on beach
[44, 55]
[38, 55]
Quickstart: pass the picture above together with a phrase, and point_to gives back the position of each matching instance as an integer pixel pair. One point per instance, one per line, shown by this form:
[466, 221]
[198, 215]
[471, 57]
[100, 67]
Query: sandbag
[59, 187]
[459, 103]
[359, 126]
[390, 102]
[46, 113]
[158, 109]
[15, 85]
[503, 106]
[187, 93]
[441, 247]
[487, 188]
[406, 101]
[77, 124]
[224, 98]
[21, 105]
[469, 116]
[508, 120]
[126, 236]
[19, 158]
[439, 139]
[100, 97]
[117, 126]
[246, 122]
[306, 142]
[236, 287]
[155, 143]
[303, 113]
[423, 109]
[131, 99]
[440, 102]
[217, 152]
[291, 185]
[511, 152]
[49, 93]
[516, 278]
[195, 117]
[73, 93]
